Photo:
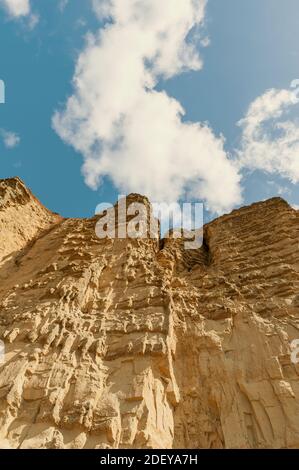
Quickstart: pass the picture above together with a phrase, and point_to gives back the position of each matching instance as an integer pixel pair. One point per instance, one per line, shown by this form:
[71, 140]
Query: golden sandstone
[123, 343]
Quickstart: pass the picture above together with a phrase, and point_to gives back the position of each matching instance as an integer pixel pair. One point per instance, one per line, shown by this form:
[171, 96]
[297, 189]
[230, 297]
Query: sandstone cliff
[140, 343]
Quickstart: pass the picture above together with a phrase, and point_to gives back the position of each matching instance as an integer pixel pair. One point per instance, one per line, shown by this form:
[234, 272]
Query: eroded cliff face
[141, 344]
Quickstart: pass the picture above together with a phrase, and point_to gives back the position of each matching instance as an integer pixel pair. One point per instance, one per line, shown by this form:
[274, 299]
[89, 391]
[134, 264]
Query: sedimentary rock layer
[123, 343]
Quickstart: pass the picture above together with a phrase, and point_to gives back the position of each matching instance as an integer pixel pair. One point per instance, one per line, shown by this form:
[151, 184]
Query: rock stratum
[141, 343]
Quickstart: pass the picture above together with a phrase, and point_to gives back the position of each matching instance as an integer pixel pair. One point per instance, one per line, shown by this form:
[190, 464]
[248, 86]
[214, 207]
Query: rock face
[141, 343]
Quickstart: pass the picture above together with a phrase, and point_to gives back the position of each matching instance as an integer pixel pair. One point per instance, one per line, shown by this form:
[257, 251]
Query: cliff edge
[123, 343]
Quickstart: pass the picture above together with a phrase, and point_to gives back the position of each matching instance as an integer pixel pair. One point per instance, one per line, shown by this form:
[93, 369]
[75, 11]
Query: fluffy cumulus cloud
[17, 8]
[126, 129]
[20, 9]
[270, 134]
[10, 139]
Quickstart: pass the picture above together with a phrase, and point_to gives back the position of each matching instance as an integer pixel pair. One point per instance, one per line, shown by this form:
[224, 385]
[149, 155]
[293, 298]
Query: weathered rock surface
[141, 344]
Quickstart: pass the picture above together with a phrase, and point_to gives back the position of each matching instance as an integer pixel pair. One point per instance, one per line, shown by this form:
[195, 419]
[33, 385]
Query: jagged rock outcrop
[136, 343]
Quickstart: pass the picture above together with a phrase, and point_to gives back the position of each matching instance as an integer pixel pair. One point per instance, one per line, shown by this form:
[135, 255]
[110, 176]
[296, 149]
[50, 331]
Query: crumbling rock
[143, 344]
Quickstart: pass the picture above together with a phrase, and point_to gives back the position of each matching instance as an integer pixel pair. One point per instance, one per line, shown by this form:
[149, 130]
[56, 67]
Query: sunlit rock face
[140, 343]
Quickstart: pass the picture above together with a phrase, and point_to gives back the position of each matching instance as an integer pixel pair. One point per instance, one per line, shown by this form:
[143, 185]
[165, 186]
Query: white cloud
[16, 8]
[10, 139]
[62, 4]
[20, 9]
[127, 130]
[270, 139]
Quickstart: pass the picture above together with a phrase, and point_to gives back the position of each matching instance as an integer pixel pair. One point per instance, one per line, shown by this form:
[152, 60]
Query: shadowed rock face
[141, 344]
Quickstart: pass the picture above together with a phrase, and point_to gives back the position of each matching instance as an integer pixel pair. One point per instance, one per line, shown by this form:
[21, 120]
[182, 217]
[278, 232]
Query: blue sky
[253, 47]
